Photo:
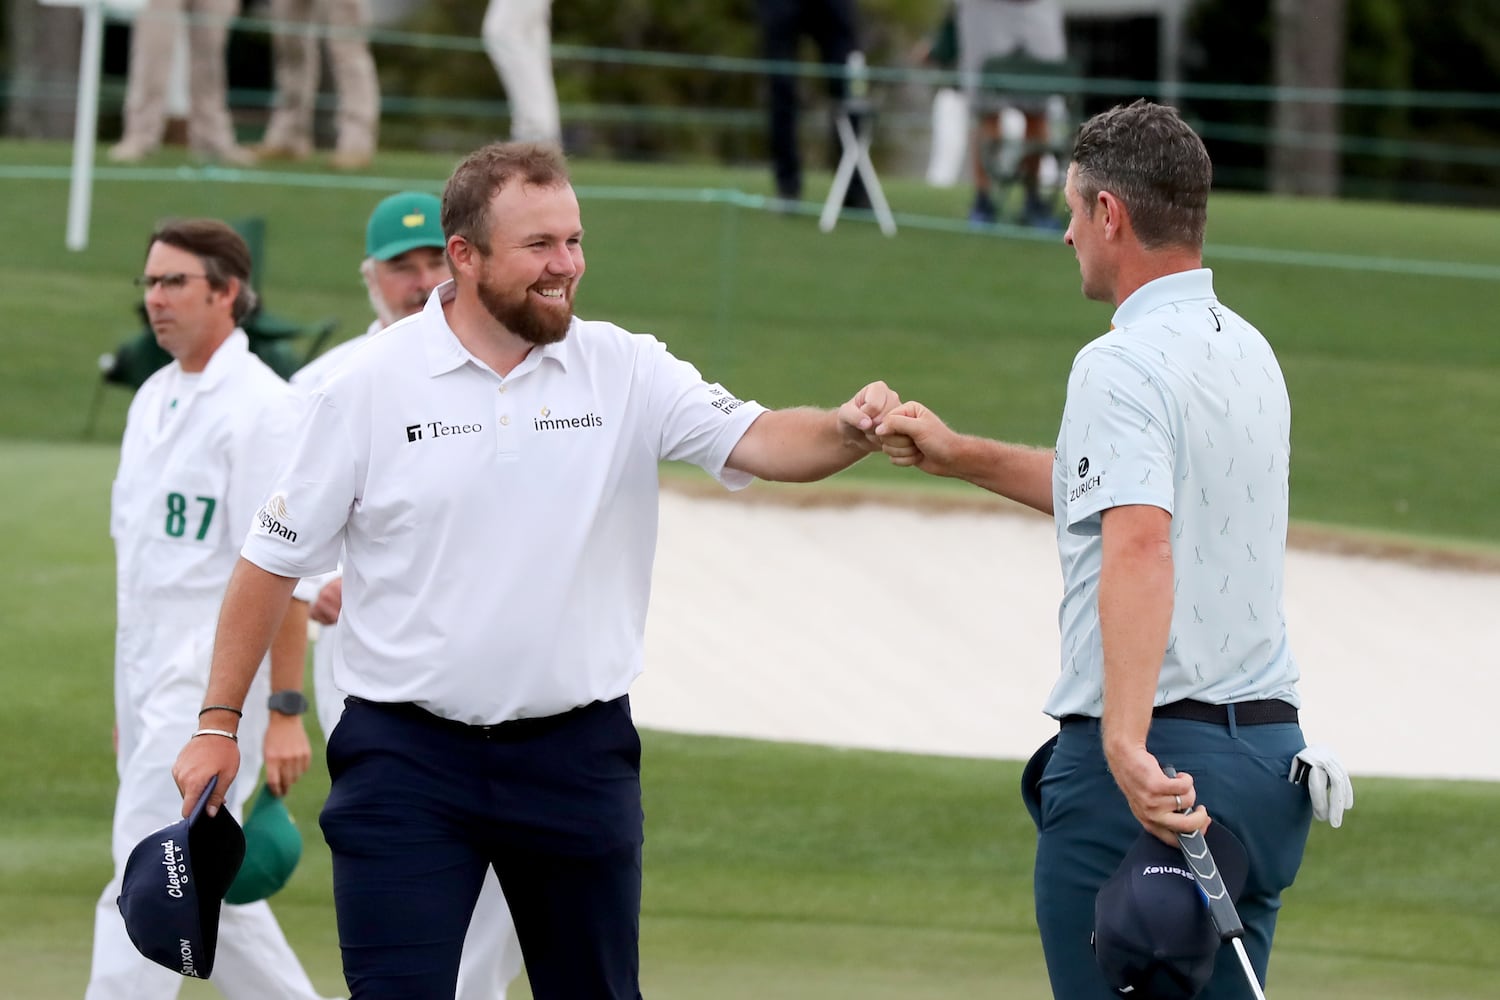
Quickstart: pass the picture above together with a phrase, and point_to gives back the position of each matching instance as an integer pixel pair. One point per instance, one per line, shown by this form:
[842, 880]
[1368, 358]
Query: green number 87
[177, 515]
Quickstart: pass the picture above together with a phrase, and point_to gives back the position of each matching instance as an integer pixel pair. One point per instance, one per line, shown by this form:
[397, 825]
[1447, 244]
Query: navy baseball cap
[173, 883]
[1153, 937]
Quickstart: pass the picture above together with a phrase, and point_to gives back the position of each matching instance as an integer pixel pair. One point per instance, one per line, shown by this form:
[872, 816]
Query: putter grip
[1201, 860]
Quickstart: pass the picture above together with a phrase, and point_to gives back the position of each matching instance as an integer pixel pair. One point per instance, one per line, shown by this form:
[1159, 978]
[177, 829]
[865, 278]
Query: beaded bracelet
[221, 708]
[217, 732]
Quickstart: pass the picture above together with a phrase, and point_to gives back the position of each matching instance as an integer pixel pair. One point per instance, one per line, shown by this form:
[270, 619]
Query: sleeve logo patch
[273, 517]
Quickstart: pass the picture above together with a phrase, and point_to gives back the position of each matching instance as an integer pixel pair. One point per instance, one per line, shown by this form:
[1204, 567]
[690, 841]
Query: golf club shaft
[1239, 949]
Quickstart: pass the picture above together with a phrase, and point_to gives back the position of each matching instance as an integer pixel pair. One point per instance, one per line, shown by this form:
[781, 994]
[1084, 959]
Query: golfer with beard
[488, 468]
[404, 261]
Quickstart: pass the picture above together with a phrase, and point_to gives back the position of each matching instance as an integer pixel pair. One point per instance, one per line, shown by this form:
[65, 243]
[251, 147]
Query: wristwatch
[287, 702]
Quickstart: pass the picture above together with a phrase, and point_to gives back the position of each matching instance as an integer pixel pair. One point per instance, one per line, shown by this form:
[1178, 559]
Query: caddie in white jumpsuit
[202, 439]
[403, 263]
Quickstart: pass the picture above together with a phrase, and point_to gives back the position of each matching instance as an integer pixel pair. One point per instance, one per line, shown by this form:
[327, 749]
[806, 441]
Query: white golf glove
[1327, 782]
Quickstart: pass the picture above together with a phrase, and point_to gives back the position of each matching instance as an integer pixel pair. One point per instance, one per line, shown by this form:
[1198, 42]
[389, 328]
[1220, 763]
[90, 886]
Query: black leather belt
[510, 731]
[1246, 713]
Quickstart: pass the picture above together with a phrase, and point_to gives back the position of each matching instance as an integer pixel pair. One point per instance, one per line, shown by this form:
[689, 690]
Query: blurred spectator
[950, 108]
[296, 46]
[210, 129]
[988, 29]
[518, 37]
[832, 26]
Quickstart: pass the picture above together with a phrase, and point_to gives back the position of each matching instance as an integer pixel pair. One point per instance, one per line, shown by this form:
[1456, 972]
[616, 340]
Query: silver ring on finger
[1178, 798]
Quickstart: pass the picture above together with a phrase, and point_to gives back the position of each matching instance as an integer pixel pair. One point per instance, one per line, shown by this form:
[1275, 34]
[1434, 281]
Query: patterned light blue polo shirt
[1180, 406]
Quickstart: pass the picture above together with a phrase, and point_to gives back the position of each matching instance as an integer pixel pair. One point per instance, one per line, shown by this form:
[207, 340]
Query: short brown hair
[223, 252]
[466, 199]
[1148, 157]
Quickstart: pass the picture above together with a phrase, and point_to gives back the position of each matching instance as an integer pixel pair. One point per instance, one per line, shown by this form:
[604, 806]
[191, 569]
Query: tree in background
[42, 62]
[1387, 149]
[1309, 54]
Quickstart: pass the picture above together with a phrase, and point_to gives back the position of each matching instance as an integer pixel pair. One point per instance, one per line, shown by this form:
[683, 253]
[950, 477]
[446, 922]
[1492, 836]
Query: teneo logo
[547, 422]
[438, 429]
[176, 868]
[273, 517]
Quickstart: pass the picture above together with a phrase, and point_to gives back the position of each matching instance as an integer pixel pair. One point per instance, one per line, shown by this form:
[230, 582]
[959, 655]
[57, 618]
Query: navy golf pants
[1085, 827]
[420, 808]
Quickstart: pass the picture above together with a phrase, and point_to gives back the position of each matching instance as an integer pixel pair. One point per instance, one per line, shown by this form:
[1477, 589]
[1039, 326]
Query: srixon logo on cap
[189, 967]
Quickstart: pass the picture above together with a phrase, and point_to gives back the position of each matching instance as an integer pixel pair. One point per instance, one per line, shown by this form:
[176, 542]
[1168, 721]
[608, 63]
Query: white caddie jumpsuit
[197, 458]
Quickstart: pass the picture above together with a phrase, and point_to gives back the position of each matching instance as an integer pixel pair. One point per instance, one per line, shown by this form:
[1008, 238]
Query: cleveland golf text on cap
[172, 886]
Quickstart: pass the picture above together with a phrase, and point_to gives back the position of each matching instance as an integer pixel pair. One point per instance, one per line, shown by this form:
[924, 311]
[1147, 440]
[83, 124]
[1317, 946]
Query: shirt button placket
[505, 438]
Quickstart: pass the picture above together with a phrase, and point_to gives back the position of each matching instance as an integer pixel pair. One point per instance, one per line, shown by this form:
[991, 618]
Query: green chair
[283, 344]
[1031, 85]
[273, 338]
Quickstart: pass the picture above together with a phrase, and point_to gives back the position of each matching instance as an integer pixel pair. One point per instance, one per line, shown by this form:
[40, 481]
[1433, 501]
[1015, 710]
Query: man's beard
[533, 324]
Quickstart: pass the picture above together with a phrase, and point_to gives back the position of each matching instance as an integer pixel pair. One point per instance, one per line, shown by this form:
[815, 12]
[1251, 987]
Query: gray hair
[1148, 157]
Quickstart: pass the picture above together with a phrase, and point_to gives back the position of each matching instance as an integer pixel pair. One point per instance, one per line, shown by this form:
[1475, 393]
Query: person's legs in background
[518, 38]
[210, 128]
[355, 82]
[295, 65]
[982, 143]
[835, 31]
[780, 25]
[151, 40]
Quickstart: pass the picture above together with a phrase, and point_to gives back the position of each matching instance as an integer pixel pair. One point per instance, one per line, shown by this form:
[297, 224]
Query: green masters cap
[273, 846]
[404, 222]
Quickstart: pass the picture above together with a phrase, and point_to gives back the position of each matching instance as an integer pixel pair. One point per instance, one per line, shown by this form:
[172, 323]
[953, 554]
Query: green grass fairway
[772, 870]
[786, 871]
[1392, 363]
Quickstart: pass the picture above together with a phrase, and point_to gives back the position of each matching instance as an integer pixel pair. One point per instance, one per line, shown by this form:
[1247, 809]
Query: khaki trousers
[296, 49]
[210, 129]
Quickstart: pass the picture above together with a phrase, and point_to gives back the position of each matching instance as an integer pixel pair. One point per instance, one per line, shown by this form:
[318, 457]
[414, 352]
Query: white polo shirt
[1180, 406]
[498, 534]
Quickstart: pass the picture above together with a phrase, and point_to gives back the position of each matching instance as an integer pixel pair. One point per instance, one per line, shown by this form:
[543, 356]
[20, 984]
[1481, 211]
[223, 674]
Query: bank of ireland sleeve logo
[722, 399]
[275, 518]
